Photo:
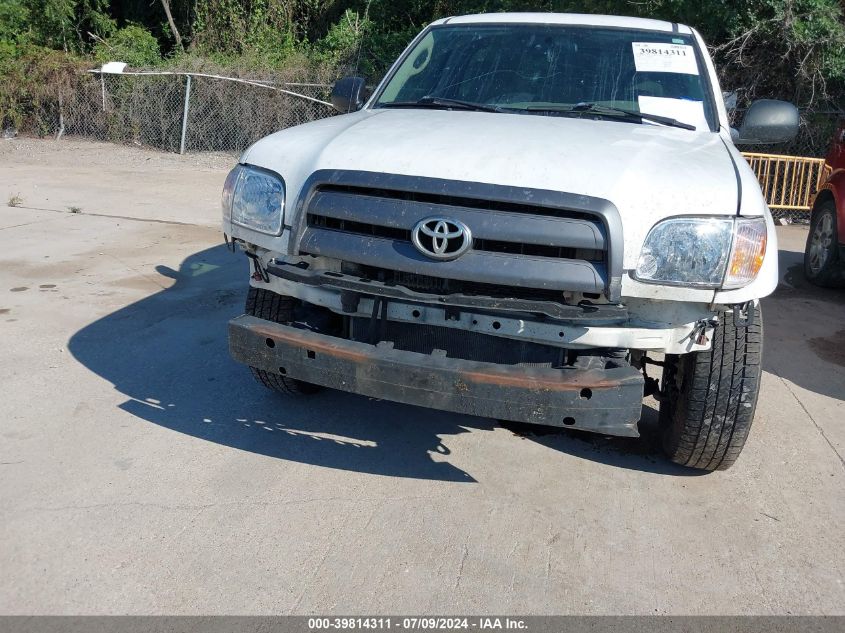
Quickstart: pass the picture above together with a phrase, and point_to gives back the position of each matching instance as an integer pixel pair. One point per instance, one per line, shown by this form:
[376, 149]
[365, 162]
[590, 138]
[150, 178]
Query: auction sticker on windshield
[664, 58]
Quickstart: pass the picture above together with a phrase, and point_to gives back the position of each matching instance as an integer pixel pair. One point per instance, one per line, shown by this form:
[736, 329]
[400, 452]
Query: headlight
[718, 252]
[254, 198]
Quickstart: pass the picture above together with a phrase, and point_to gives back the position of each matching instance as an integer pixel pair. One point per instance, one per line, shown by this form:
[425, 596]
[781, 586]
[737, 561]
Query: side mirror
[349, 94]
[768, 121]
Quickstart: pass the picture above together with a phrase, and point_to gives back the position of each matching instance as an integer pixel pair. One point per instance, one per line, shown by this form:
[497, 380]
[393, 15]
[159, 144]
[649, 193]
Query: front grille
[358, 228]
[446, 200]
[526, 243]
[489, 246]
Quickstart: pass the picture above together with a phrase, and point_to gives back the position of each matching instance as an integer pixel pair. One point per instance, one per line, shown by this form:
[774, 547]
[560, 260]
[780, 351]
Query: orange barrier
[788, 182]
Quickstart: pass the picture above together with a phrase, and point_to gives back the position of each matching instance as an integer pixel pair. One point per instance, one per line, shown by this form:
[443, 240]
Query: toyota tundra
[540, 218]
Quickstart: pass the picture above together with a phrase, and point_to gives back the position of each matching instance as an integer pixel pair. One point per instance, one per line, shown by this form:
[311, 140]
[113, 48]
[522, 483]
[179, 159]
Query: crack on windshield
[504, 70]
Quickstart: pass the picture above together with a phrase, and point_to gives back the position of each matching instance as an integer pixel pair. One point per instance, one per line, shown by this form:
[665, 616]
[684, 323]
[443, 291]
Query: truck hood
[648, 171]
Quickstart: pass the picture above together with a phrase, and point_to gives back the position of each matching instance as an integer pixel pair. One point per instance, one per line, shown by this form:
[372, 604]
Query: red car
[824, 255]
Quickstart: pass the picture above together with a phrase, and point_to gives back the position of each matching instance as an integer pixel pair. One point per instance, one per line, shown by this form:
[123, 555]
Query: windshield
[548, 69]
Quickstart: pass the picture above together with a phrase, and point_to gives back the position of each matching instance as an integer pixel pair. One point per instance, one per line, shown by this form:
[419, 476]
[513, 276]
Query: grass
[15, 200]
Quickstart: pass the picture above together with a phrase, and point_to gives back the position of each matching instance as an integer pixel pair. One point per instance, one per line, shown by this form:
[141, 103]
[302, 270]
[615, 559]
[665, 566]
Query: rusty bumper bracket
[605, 401]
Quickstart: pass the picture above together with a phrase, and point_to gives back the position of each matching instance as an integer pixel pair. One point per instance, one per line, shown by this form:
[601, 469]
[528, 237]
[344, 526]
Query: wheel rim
[820, 243]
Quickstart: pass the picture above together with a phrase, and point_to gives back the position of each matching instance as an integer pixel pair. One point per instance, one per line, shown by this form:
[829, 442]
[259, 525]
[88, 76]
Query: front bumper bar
[605, 401]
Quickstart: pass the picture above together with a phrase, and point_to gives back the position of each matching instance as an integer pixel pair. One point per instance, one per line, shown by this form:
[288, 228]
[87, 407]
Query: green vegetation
[790, 49]
[132, 44]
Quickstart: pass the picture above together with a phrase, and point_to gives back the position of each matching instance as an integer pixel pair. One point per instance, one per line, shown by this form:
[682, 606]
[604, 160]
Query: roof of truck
[568, 18]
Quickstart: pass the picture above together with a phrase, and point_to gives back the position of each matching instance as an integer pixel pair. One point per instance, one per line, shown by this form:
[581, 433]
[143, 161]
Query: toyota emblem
[441, 238]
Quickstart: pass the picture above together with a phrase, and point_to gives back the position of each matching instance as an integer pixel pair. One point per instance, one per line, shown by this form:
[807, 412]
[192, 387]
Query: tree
[177, 38]
[65, 24]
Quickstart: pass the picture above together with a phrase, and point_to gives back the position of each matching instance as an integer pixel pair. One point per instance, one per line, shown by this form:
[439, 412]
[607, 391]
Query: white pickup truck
[526, 213]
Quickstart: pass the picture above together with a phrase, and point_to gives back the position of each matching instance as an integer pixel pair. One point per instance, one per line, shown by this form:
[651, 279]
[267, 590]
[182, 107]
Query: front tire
[270, 306]
[821, 255]
[709, 397]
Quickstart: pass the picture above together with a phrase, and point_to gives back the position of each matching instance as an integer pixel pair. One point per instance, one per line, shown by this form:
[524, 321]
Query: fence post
[185, 115]
[61, 118]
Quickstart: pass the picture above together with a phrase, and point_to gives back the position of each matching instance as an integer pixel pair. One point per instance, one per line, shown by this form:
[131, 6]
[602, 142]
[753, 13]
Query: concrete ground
[142, 471]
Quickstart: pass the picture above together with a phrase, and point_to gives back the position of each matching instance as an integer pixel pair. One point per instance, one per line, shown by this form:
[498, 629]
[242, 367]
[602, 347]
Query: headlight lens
[254, 198]
[703, 252]
[686, 251]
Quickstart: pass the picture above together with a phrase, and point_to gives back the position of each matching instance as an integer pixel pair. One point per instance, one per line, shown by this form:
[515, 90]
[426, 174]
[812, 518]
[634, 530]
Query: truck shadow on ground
[805, 331]
[168, 355]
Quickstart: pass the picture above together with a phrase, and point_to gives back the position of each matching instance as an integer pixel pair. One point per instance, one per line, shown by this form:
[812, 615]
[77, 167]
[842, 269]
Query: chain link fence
[183, 112]
[229, 113]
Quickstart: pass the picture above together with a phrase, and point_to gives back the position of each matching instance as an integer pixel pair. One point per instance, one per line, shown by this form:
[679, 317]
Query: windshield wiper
[442, 102]
[600, 109]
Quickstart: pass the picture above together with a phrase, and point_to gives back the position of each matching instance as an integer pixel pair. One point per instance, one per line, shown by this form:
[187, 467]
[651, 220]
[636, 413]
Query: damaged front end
[522, 320]
[602, 394]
